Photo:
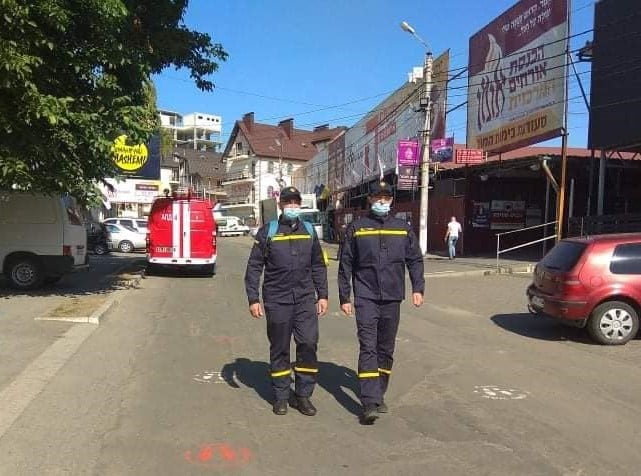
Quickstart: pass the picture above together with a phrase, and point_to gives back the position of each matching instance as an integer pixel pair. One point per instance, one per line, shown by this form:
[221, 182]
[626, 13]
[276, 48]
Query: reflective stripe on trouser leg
[387, 330]
[279, 332]
[305, 332]
[367, 314]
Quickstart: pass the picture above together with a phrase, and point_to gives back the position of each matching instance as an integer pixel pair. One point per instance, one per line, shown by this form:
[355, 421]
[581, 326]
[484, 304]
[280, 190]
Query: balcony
[235, 177]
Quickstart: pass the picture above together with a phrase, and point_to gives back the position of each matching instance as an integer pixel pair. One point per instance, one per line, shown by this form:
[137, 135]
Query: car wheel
[25, 273]
[613, 323]
[100, 249]
[126, 246]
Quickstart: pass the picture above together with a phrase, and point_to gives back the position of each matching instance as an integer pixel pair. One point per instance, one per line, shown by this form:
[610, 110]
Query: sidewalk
[440, 265]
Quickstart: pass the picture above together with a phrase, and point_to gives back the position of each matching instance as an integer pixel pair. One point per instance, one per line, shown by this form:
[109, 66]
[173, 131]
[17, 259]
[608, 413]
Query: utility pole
[425, 136]
[425, 156]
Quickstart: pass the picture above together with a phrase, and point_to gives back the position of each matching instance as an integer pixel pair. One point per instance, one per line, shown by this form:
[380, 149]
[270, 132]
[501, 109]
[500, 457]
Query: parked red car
[592, 282]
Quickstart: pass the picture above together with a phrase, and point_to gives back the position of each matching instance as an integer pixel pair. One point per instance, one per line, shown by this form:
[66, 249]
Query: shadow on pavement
[105, 274]
[331, 377]
[250, 373]
[176, 272]
[540, 327]
[335, 379]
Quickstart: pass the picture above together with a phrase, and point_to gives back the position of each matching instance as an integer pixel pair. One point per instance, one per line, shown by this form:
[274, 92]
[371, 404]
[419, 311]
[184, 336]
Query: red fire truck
[182, 233]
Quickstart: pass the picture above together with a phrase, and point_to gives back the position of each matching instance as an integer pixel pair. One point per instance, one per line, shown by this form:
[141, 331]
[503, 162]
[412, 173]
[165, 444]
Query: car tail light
[213, 238]
[147, 248]
[66, 250]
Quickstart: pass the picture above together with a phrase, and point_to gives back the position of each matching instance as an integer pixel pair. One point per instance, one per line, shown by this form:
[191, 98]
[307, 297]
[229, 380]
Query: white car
[125, 239]
[138, 224]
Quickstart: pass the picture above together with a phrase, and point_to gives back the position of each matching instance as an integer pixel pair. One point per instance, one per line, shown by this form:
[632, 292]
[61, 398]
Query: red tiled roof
[262, 140]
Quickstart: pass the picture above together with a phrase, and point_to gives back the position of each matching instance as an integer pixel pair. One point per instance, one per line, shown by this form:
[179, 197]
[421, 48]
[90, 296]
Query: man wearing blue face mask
[375, 252]
[294, 296]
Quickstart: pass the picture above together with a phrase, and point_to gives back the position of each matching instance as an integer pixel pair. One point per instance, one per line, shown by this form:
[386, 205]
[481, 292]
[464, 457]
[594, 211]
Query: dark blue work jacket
[293, 264]
[373, 258]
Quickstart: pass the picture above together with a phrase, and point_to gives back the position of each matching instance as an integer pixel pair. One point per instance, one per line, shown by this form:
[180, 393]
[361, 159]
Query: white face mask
[380, 208]
[291, 213]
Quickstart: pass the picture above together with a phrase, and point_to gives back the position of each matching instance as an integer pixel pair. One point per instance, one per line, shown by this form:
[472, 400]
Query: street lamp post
[425, 136]
[281, 182]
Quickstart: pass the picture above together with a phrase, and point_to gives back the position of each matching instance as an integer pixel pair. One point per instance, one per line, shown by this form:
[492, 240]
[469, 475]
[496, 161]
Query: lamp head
[408, 28]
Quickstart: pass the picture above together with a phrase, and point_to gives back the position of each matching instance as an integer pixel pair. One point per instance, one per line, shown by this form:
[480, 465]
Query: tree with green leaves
[75, 74]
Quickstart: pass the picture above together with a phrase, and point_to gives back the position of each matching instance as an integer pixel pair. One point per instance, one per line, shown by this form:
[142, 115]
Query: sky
[332, 61]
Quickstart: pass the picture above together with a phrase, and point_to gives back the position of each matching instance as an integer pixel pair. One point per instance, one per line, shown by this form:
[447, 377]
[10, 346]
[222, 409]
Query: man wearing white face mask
[376, 250]
[294, 296]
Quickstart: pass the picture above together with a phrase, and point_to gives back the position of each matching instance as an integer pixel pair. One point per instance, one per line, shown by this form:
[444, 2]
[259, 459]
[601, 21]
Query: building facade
[196, 130]
[261, 159]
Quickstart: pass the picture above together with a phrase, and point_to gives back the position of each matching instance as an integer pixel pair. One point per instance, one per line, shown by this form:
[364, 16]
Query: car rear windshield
[564, 256]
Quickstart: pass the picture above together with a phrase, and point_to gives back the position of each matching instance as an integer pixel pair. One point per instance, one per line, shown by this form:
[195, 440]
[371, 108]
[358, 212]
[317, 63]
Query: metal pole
[601, 189]
[546, 213]
[571, 204]
[425, 157]
[588, 210]
[561, 198]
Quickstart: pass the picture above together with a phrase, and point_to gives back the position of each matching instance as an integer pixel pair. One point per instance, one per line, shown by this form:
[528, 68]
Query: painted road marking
[209, 376]
[494, 392]
[219, 454]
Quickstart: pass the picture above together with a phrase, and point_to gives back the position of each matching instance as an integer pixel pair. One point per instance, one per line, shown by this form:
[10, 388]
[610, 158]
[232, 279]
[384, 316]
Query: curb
[96, 315]
[482, 272]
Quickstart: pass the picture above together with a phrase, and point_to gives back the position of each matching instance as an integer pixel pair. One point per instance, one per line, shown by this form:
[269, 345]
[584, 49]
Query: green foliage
[166, 143]
[75, 74]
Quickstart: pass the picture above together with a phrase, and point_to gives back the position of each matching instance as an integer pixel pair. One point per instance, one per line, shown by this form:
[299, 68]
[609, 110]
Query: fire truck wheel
[150, 269]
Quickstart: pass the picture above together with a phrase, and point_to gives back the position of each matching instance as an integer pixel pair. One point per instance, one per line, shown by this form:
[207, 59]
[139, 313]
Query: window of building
[626, 259]
[270, 167]
[290, 169]
[239, 147]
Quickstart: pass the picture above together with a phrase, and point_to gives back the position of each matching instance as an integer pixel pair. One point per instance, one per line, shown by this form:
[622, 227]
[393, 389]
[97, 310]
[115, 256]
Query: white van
[41, 238]
[231, 226]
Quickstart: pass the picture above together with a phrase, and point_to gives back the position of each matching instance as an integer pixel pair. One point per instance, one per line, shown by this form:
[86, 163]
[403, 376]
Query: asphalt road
[174, 382]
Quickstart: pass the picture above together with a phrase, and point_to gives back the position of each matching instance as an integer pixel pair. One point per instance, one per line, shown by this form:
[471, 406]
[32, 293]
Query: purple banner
[442, 150]
[407, 153]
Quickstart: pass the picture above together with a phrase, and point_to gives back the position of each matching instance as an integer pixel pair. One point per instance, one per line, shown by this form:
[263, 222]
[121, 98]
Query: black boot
[302, 404]
[370, 413]
[280, 407]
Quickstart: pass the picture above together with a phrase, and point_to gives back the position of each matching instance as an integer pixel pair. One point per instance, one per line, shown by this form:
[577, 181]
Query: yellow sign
[129, 157]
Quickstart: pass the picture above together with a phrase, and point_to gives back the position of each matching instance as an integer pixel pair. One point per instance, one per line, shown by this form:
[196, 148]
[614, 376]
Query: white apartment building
[197, 131]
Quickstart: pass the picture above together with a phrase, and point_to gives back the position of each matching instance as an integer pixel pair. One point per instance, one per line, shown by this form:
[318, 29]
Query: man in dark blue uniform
[294, 296]
[375, 252]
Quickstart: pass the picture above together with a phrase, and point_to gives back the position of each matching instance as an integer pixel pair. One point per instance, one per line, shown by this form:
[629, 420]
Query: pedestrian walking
[454, 230]
[294, 296]
[376, 250]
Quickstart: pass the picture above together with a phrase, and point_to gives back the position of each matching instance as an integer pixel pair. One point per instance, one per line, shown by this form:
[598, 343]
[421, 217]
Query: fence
[604, 224]
[499, 251]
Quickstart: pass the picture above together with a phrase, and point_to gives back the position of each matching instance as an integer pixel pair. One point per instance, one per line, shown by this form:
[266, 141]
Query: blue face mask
[380, 209]
[291, 213]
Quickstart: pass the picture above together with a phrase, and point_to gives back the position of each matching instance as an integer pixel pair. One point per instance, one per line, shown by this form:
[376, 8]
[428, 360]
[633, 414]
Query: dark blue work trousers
[377, 325]
[300, 320]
